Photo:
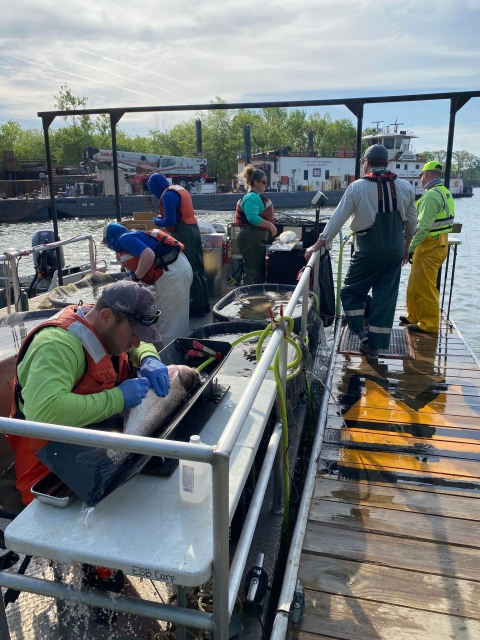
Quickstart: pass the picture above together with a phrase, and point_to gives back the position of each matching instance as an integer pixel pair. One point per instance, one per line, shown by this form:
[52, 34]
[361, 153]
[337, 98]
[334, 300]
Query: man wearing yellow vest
[429, 247]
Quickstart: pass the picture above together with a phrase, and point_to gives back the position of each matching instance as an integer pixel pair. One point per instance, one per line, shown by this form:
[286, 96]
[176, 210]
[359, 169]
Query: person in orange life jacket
[74, 369]
[136, 250]
[177, 216]
[256, 218]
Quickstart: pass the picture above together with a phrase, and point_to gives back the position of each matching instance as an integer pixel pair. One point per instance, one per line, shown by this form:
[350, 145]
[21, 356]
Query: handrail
[10, 257]
[293, 559]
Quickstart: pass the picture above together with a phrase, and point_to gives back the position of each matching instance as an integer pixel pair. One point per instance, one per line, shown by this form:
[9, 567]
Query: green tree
[68, 142]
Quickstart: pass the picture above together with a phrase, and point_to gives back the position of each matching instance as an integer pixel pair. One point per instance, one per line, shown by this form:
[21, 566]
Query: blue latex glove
[158, 221]
[134, 391]
[157, 374]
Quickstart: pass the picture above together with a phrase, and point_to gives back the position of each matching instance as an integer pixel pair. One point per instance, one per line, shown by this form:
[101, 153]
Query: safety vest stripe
[354, 312]
[372, 329]
[89, 341]
[442, 223]
[127, 256]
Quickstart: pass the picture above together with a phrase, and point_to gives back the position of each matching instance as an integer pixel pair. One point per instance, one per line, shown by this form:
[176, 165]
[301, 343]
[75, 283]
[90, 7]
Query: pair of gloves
[152, 374]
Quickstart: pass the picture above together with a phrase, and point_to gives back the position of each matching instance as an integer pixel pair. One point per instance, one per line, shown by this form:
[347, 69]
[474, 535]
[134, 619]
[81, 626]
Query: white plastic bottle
[195, 478]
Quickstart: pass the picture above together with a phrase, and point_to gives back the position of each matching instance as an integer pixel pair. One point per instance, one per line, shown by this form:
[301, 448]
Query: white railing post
[305, 301]
[91, 249]
[15, 282]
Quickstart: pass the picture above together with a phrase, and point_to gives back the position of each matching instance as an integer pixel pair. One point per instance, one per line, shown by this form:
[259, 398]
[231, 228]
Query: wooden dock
[392, 545]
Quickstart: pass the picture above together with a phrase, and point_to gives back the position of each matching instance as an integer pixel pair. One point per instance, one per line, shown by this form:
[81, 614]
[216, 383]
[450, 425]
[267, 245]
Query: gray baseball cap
[137, 304]
[376, 153]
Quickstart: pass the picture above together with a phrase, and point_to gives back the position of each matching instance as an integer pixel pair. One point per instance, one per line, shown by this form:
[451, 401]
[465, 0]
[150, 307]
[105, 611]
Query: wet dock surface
[392, 544]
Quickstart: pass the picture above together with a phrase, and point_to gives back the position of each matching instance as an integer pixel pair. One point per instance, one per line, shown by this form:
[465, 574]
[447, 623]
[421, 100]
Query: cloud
[188, 53]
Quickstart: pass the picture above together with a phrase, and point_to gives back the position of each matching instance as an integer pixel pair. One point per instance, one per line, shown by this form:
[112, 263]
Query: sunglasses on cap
[146, 319]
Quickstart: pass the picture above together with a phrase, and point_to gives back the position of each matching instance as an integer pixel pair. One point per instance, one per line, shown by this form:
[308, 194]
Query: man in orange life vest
[74, 369]
[177, 216]
[156, 258]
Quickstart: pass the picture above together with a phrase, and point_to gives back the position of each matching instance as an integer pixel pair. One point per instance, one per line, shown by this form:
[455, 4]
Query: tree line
[222, 133]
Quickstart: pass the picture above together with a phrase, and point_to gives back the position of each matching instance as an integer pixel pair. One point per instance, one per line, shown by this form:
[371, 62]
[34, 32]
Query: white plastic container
[195, 478]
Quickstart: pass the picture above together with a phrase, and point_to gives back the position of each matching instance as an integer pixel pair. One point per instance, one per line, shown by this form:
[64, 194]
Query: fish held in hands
[150, 414]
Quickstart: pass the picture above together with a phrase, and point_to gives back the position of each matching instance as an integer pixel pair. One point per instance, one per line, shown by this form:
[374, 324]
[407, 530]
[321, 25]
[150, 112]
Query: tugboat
[405, 162]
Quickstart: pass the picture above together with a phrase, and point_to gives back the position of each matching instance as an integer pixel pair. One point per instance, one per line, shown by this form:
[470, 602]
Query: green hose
[294, 364]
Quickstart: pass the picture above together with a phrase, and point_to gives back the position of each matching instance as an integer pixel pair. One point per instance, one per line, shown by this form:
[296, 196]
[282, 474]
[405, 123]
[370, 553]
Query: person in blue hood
[139, 252]
[177, 217]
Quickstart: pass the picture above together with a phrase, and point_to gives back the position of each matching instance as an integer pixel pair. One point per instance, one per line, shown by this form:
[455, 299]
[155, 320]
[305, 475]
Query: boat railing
[226, 579]
[11, 259]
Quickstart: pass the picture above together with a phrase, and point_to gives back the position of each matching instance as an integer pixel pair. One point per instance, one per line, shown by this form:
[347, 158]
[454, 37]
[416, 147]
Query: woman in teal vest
[252, 214]
[429, 247]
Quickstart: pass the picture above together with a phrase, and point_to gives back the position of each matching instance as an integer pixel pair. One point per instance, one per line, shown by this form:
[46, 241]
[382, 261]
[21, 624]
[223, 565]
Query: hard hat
[433, 165]
[376, 153]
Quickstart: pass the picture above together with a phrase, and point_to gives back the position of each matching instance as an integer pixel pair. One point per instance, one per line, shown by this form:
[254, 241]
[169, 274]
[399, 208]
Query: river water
[466, 290]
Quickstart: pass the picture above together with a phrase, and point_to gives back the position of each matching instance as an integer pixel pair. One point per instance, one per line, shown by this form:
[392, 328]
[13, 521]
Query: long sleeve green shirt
[53, 363]
[253, 205]
[429, 205]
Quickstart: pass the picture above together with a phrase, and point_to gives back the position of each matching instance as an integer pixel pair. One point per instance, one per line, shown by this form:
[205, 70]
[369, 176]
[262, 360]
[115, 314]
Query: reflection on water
[256, 307]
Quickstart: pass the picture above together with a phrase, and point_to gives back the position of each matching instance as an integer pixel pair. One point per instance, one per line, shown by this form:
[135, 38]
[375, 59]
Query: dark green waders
[376, 265]
[251, 241]
[189, 236]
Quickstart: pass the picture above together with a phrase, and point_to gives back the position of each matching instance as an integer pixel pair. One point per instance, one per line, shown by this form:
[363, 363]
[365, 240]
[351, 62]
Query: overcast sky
[159, 52]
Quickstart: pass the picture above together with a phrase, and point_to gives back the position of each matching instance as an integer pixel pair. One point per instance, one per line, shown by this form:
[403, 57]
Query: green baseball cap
[433, 165]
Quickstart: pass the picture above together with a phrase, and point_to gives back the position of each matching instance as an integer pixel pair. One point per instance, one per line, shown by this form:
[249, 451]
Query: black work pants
[189, 236]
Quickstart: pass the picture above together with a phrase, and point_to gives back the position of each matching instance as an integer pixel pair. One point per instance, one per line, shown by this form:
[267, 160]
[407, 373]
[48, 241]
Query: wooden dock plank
[399, 382]
[405, 443]
[401, 553]
[407, 486]
[410, 367]
[391, 586]
[456, 433]
[374, 414]
[391, 497]
[423, 463]
[351, 619]
[383, 558]
[416, 526]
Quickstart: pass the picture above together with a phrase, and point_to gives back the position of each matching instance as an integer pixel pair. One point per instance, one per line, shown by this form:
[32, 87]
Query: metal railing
[226, 579]
[10, 258]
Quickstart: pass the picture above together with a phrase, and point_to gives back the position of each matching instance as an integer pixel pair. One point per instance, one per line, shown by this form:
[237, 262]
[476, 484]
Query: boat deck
[392, 544]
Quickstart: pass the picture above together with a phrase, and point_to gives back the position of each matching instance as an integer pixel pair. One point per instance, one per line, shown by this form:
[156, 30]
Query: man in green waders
[384, 221]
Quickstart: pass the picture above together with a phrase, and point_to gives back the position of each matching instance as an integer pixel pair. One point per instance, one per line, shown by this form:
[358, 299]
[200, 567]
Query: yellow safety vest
[444, 219]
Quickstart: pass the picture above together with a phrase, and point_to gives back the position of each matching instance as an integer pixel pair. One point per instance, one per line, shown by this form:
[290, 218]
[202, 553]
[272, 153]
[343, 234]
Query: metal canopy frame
[457, 100]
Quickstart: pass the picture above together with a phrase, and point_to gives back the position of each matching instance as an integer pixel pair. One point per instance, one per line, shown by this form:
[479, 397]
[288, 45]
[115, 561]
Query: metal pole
[303, 332]
[221, 522]
[451, 281]
[316, 228]
[92, 256]
[248, 531]
[4, 632]
[114, 119]
[46, 122]
[105, 440]
[15, 282]
[451, 131]
[115, 601]
[181, 602]
[445, 278]
[248, 147]
[282, 617]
